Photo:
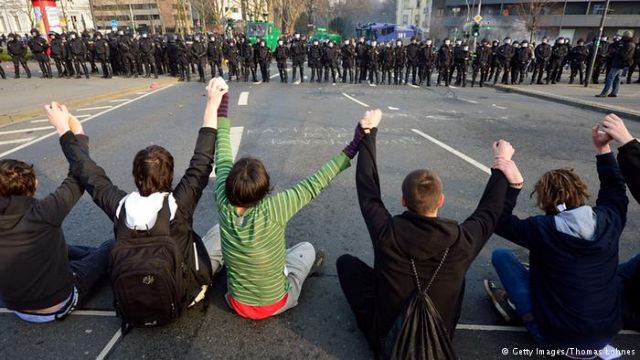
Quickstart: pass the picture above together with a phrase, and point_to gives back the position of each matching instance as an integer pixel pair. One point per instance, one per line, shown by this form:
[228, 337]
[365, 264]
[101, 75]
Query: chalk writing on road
[327, 136]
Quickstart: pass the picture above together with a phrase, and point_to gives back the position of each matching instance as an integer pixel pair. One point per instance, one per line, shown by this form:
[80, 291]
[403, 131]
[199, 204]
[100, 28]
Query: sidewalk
[23, 98]
[627, 104]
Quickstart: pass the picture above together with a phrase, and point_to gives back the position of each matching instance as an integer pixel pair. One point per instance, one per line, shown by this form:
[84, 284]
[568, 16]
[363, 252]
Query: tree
[532, 11]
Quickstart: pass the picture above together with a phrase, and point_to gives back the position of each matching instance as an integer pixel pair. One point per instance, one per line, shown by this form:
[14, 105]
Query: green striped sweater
[254, 252]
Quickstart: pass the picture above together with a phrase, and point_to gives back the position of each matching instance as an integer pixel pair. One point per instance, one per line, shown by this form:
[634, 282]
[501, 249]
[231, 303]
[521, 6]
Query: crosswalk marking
[236, 137]
[42, 128]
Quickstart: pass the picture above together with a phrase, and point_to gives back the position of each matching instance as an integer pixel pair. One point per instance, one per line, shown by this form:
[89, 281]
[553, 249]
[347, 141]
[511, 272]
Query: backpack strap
[433, 277]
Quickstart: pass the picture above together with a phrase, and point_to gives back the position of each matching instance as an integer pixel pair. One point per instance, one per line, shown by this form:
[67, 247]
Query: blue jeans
[515, 279]
[629, 274]
[612, 79]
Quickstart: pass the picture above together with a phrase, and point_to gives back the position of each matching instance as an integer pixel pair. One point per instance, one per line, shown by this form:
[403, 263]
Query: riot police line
[354, 61]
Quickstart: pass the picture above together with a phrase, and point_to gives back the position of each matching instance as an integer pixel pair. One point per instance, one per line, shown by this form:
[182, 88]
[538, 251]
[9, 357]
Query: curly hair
[17, 178]
[560, 186]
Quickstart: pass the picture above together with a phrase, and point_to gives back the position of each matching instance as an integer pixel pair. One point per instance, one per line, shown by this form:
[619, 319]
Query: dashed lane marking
[103, 354]
[244, 99]
[16, 141]
[469, 101]
[355, 100]
[119, 100]
[42, 128]
[499, 107]
[97, 108]
[236, 137]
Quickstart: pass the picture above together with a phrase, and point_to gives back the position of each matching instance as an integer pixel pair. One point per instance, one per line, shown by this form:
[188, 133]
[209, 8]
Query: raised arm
[613, 192]
[89, 174]
[629, 152]
[190, 188]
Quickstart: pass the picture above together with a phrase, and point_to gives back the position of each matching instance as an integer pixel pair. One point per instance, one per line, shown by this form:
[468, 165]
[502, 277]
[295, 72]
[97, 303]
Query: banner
[47, 16]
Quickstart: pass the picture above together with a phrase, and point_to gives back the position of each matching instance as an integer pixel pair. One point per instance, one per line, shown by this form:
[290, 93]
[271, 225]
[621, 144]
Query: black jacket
[34, 262]
[629, 159]
[187, 194]
[397, 239]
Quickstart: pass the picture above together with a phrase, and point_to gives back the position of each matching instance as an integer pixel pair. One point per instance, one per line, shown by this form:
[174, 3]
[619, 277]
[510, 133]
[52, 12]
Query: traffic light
[475, 30]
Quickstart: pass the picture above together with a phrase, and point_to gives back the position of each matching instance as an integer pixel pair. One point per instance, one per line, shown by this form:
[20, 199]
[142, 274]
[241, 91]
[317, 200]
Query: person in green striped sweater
[263, 277]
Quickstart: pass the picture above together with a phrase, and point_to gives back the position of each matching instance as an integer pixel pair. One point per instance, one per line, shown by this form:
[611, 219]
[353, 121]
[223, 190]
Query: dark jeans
[612, 82]
[515, 279]
[89, 266]
[629, 274]
[357, 283]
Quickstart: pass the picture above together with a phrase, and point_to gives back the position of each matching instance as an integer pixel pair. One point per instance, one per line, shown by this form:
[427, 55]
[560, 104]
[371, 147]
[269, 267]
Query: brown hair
[560, 186]
[16, 178]
[153, 170]
[247, 183]
[422, 190]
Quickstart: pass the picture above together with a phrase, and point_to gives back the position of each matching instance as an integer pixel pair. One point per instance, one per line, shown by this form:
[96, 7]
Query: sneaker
[501, 302]
[612, 95]
[318, 264]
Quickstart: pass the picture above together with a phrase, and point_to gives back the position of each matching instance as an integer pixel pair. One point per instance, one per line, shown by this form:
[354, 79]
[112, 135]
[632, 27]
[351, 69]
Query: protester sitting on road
[629, 159]
[569, 295]
[263, 277]
[42, 278]
[377, 295]
[159, 215]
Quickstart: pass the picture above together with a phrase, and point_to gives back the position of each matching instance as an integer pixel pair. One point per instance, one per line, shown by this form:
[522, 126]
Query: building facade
[154, 16]
[535, 19]
[18, 16]
[415, 12]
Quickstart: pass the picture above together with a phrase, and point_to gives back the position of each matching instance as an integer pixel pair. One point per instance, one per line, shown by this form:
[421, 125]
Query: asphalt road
[294, 130]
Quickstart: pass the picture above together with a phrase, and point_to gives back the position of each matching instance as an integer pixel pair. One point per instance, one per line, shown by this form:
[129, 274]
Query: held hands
[600, 139]
[217, 102]
[370, 120]
[58, 117]
[75, 125]
[503, 149]
[615, 128]
[510, 171]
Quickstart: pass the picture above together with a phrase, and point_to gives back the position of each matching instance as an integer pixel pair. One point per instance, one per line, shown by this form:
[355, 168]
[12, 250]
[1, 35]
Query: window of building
[417, 20]
[440, 12]
[16, 20]
[418, 4]
[3, 25]
[597, 8]
[405, 19]
[576, 8]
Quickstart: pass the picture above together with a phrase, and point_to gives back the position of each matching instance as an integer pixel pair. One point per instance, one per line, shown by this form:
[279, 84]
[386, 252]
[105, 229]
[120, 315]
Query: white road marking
[104, 313]
[244, 98]
[469, 101]
[516, 328]
[16, 141]
[110, 108]
[141, 93]
[119, 100]
[26, 130]
[39, 121]
[236, 137]
[393, 108]
[355, 100]
[453, 87]
[453, 151]
[414, 86]
[103, 354]
[82, 116]
[499, 107]
[97, 108]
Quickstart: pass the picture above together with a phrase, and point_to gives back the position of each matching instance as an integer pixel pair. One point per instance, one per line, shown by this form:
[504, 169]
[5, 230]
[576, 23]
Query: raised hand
[58, 117]
[600, 139]
[614, 127]
[370, 120]
[510, 171]
[503, 149]
[75, 125]
[215, 90]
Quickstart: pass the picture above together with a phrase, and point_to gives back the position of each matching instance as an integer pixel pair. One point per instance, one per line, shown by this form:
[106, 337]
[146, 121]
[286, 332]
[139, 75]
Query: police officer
[182, 59]
[214, 53]
[348, 54]
[578, 56]
[281, 55]
[114, 53]
[298, 55]
[445, 59]
[18, 50]
[461, 57]
[147, 56]
[374, 59]
[91, 53]
[264, 57]
[602, 53]
[430, 59]
[481, 62]
[400, 61]
[2, 75]
[542, 57]
[522, 58]
[387, 60]
[457, 47]
[505, 54]
[199, 56]
[494, 58]
[39, 47]
[102, 55]
[361, 60]
[315, 61]
[636, 64]
[234, 61]
[412, 61]
[159, 54]
[558, 53]
[78, 54]
[57, 52]
[126, 57]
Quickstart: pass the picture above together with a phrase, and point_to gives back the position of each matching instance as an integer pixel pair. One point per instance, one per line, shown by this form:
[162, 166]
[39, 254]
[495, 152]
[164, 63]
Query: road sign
[477, 19]
[114, 23]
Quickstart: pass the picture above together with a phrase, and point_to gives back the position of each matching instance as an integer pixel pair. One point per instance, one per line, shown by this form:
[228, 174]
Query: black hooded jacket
[397, 239]
[34, 262]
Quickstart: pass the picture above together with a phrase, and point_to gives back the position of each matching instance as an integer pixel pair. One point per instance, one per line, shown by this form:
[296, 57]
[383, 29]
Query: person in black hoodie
[42, 278]
[153, 176]
[569, 297]
[629, 159]
[377, 295]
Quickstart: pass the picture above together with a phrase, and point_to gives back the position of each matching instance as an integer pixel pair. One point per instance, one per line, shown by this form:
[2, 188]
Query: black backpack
[418, 332]
[148, 273]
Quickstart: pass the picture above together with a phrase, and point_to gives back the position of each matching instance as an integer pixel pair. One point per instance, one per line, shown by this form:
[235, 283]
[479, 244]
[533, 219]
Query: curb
[605, 109]
[29, 114]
